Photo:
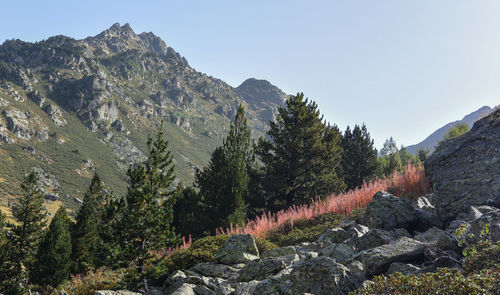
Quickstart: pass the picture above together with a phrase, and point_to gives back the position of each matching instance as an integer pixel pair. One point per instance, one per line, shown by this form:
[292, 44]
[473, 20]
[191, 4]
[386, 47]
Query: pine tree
[224, 182]
[188, 210]
[423, 154]
[53, 259]
[3, 233]
[85, 234]
[389, 159]
[145, 222]
[301, 156]
[10, 271]
[31, 217]
[4, 256]
[359, 158]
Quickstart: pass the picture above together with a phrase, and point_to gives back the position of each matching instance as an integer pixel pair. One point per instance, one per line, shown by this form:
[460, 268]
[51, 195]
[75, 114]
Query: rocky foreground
[396, 235]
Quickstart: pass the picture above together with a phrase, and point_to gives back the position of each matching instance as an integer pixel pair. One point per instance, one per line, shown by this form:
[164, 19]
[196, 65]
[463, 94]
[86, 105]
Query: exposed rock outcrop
[466, 171]
[238, 249]
[388, 212]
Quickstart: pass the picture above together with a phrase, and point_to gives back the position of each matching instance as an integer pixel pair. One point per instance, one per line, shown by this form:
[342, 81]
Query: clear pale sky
[404, 68]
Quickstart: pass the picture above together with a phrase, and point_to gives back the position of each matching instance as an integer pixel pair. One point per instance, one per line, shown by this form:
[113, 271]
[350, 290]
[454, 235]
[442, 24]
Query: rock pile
[341, 260]
[397, 235]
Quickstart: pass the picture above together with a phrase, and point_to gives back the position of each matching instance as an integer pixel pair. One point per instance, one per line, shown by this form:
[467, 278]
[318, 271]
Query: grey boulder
[239, 248]
[465, 171]
[322, 275]
[378, 260]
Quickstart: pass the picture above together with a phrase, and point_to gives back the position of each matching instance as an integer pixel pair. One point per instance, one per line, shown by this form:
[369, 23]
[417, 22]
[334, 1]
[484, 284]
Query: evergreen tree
[31, 217]
[423, 154]
[10, 271]
[301, 155]
[224, 182]
[359, 158]
[53, 259]
[3, 232]
[390, 159]
[406, 157]
[188, 210]
[11, 275]
[454, 132]
[145, 221]
[85, 234]
[5, 259]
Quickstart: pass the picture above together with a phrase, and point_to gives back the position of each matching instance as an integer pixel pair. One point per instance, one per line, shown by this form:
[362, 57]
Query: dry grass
[410, 183]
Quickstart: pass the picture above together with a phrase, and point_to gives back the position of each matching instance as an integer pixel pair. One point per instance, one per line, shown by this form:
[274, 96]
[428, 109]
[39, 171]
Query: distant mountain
[71, 107]
[431, 140]
[261, 96]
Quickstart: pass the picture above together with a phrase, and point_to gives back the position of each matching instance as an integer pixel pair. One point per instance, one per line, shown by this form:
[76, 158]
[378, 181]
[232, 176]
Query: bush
[303, 230]
[101, 279]
[446, 281]
[202, 250]
[481, 276]
[487, 255]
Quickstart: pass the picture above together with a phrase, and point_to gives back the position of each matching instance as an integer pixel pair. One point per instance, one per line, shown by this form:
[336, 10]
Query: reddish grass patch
[410, 183]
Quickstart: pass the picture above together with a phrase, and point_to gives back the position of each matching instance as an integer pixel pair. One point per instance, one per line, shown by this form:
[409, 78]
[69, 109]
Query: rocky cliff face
[466, 171]
[67, 101]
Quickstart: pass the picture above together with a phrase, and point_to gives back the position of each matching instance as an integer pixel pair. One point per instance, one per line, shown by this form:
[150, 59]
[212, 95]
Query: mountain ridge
[430, 141]
[71, 107]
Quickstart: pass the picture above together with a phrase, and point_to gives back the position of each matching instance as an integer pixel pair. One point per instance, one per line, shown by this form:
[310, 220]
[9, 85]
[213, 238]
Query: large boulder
[438, 238]
[378, 260]
[387, 211]
[341, 253]
[465, 171]
[238, 249]
[211, 269]
[377, 237]
[261, 269]
[322, 275]
[489, 220]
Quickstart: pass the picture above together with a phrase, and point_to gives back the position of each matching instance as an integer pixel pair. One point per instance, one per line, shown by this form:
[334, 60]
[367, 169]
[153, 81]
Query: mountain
[71, 107]
[431, 140]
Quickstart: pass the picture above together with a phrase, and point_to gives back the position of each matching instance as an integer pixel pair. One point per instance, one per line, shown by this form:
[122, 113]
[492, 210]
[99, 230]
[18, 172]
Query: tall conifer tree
[224, 182]
[53, 259]
[31, 217]
[301, 155]
[359, 159]
[85, 236]
[145, 222]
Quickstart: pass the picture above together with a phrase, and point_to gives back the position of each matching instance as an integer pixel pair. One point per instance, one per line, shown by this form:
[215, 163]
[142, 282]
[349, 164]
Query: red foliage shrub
[410, 183]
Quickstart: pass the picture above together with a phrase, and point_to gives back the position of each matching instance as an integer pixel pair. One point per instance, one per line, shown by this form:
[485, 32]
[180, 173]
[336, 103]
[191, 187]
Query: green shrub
[101, 279]
[303, 230]
[487, 255]
[481, 276]
[358, 215]
[263, 245]
[446, 281]
[202, 250]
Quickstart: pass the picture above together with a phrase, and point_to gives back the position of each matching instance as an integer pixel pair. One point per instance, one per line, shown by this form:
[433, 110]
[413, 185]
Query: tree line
[300, 159]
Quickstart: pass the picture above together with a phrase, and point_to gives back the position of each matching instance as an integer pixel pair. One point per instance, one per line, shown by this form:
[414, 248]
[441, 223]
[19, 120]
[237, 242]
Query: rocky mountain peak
[255, 90]
[153, 43]
[125, 32]
[118, 39]
[262, 96]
